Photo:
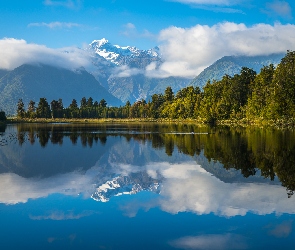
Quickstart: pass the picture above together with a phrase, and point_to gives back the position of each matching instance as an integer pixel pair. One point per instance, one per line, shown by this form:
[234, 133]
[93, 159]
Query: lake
[146, 186]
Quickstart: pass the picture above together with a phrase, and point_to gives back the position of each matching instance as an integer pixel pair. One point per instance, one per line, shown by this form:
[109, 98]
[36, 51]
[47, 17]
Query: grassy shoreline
[279, 123]
[104, 120]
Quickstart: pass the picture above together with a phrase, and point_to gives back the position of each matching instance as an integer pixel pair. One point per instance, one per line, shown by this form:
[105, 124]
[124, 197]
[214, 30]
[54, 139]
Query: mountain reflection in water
[123, 163]
[148, 186]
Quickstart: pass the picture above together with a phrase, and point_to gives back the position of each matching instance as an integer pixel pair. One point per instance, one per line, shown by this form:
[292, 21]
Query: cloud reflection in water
[185, 187]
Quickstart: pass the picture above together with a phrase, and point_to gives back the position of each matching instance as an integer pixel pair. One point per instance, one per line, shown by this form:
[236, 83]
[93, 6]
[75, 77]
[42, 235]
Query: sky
[191, 34]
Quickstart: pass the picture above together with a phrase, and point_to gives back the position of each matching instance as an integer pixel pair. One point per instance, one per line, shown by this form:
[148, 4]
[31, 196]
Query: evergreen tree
[73, 109]
[2, 116]
[57, 108]
[31, 112]
[169, 95]
[102, 103]
[20, 109]
[83, 103]
[43, 109]
[90, 102]
[74, 104]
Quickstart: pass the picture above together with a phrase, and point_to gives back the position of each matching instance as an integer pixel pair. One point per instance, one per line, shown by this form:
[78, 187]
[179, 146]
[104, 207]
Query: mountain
[111, 59]
[232, 65]
[117, 75]
[3, 72]
[122, 185]
[139, 86]
[31, 82]
[131, 56]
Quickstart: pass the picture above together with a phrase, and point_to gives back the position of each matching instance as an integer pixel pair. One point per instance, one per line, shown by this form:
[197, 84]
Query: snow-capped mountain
[121, 70]
[124, 185]
[123, 55]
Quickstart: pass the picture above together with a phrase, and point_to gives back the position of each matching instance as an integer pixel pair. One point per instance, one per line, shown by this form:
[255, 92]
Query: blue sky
[186, 30]
[60, 23]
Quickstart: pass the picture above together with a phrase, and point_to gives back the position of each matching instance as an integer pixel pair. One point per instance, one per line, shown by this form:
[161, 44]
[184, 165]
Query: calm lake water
[146, 186]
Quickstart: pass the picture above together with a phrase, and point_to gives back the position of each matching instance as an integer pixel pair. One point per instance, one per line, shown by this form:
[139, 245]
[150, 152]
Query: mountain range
[118, 75]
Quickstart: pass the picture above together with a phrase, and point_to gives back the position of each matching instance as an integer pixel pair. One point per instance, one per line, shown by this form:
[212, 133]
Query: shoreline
[262, 123]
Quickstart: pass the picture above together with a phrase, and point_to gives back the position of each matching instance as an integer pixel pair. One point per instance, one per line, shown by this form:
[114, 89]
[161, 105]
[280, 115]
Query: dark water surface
[146, 186]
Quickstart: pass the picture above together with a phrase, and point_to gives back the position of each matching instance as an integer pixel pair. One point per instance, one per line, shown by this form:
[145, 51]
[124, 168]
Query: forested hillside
[269, 95]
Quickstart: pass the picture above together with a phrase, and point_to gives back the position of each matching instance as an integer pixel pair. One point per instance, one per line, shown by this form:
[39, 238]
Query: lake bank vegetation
[248, 98]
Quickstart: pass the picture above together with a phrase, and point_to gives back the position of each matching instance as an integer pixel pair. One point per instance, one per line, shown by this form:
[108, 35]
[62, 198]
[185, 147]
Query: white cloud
[282, 230]
[68, 3]
[61, 215]
[188, 51]
[130, 30]
[214, 5]
[280, 8]
[211, 241]
[199, 192]
[16, 189]
[14, 53]
[210, 2]
[54, 25]
[185, 51]
[130, 26]
[125, 71]
[187, 187]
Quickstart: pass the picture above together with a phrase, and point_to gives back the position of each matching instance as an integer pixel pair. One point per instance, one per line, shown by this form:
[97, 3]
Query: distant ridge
[232, 65]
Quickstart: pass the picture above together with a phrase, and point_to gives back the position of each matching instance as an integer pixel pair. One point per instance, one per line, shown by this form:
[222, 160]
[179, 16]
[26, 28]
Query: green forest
[269, 96]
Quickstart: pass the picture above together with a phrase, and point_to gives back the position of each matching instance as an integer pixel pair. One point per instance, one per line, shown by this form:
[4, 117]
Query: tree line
[269, 95]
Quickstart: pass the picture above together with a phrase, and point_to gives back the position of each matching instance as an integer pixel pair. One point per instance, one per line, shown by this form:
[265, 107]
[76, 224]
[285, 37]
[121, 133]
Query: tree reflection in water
[269, 152]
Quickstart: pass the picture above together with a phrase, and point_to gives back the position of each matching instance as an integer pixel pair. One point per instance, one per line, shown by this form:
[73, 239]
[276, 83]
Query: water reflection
[195, 169]
[211, 241]
[184, 187]
[252, 151]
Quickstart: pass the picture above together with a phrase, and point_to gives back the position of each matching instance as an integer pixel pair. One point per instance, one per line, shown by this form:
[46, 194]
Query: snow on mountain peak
[123, 185]
[120, 55]
[99, 43]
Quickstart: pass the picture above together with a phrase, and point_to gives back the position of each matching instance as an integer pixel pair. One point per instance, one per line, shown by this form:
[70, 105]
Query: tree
[102, 103]
[2, 116]
[43, 109]
[83, 103]
[259, 99]
[54, 108]
[169, 95]
[282, 96]
[20, 109]
[90, 102]
[31, 112]
[74, 104]
[155, 105]
[73, 109]
[57, 108]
